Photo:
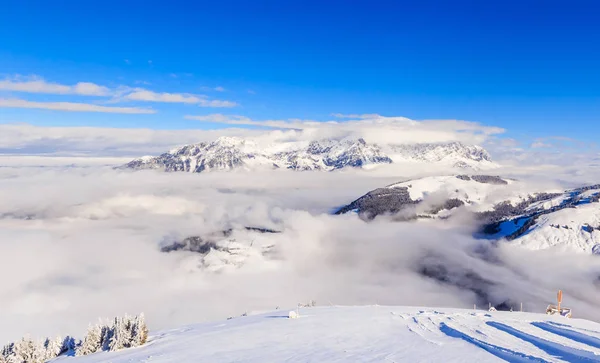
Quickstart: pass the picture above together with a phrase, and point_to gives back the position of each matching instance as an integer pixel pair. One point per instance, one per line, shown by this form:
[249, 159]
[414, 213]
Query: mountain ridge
[227, 153]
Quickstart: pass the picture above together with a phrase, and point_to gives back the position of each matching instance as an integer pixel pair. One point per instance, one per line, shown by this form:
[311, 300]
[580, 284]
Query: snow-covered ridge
[374, 334]
[505, 209]
[454, 153]
[228, 153]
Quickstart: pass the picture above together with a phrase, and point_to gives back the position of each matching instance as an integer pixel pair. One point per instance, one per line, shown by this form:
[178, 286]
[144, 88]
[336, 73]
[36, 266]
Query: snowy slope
[505, 209]
[482, 192]
[371, 334]
[572, 229]
[439, 196]
[227, 153]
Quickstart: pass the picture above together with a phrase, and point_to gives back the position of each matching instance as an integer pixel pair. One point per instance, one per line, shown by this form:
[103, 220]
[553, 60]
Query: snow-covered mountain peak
[453, 153]
[227, 153]
[229, 141]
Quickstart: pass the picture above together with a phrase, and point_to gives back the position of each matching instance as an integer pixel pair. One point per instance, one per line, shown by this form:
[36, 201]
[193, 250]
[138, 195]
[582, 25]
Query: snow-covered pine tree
[122, 333]
[128, 331]
[24, 351]
[7, 351]
[92, 342]
[108, 332]
[54, 348]
[69, 345]
[39, 355]
[140, 331]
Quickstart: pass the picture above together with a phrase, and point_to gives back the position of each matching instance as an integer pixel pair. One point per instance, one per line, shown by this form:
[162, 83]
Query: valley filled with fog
[82, 240]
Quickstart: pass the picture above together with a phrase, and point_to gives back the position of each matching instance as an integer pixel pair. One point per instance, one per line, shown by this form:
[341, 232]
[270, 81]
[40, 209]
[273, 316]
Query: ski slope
[372, 334]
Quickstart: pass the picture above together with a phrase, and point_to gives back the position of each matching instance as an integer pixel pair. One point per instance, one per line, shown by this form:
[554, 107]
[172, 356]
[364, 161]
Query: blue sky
[532, 67]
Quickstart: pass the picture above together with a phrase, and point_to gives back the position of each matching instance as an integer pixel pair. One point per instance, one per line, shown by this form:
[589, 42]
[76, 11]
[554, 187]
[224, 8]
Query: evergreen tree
[54, 348]
[39, 353]
[108, 333]
[24, 351]
[7, 351]
[92, 342]
[140, 331]
[121, 333]
[69, 345]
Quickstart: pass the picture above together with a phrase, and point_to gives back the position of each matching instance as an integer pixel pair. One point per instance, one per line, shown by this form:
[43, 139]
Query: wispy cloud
[39, 85]
[19, 138]
[558, 143]
[243, 120]
[540, 145]
[35, 84]
[357, 116]
[374, 128]
[71, 106]
[144, 95]
[216, 89]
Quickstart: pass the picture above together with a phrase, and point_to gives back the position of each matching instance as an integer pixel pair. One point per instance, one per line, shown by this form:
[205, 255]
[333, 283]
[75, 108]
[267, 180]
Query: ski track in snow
[371, 334]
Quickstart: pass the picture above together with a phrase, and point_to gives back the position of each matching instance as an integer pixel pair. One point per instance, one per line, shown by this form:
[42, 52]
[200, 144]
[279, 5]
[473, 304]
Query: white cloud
[242, 120]
[71, 106]
[29, 139]
[121, 93]
[144, 95]
[217, 103]
[39, 85]
[357, 116]
[220, 89]
[149, 96]
[97, 234]
[219, 118]
[539, 145]
[374, 128]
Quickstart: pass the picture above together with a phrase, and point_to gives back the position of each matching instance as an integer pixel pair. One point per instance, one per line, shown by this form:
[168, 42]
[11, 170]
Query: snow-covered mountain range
[505, 209]
[228, 153]
[371, 334]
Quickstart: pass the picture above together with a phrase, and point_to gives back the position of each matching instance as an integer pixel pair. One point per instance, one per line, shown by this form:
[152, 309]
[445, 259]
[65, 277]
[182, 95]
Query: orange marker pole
[559, 298]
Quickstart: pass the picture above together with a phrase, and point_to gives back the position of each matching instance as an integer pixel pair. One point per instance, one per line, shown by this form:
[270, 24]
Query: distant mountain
[228, 153]
[568, 220]
[454, 154]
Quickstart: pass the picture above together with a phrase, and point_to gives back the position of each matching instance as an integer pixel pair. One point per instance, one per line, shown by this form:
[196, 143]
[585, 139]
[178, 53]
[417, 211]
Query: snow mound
[374, 334]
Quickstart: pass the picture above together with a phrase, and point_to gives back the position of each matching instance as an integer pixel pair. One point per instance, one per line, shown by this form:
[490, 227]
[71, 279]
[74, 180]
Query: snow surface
[549, 231]
[480, 196]
[565, 220]
[371, 334]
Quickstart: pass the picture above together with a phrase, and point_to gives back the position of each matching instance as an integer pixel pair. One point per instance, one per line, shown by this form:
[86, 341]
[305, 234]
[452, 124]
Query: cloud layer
[79, 243]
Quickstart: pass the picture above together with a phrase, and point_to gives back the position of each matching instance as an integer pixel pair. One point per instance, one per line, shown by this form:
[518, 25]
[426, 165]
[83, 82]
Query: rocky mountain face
[228, 153]
[568, 220]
